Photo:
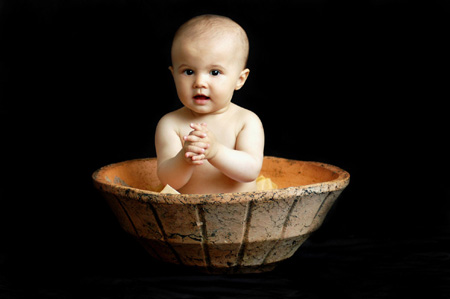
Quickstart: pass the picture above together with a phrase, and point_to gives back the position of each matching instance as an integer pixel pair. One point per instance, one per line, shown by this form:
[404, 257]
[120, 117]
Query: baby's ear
[242, 78]
[171, 69]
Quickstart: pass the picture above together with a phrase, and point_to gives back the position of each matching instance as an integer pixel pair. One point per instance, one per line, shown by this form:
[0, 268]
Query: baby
[210, 145]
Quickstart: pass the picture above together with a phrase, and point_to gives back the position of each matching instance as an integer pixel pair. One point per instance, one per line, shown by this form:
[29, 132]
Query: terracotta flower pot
[245, 232]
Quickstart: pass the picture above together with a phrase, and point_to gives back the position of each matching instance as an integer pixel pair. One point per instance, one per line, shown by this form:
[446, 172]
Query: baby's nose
[200, 82]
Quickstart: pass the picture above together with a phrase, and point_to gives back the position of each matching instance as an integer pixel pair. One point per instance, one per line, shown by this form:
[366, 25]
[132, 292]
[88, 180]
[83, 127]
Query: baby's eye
[188, 72]
[215, 72]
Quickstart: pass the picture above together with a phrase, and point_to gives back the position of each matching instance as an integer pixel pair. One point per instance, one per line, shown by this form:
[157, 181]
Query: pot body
[245, 232]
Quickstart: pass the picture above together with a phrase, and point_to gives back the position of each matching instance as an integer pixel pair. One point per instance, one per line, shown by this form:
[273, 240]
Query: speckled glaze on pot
[246, 232]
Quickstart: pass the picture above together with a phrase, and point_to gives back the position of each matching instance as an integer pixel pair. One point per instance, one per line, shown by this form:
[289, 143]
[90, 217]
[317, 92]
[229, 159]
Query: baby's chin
[205, 105]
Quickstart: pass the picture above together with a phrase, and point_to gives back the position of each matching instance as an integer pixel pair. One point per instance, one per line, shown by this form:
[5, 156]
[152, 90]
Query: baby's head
[209, 57]
[212, 28]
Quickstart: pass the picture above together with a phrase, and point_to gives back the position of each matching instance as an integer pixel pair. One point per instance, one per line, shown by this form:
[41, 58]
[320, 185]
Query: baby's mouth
[201, 97]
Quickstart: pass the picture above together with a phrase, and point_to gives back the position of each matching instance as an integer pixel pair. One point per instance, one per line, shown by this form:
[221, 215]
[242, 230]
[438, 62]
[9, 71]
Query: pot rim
[339, 183]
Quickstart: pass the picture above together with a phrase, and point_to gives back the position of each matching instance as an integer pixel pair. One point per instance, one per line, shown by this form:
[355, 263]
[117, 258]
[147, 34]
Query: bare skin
[210, 145]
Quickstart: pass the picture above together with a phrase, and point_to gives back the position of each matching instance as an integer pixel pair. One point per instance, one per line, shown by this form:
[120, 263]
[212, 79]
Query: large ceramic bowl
[244, 232]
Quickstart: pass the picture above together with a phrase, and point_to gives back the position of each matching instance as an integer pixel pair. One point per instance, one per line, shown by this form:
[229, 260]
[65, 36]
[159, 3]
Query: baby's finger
[200, 144]
[198, 133]
[200, 162]
[189, 155]
[194, 149]
[204, 127]
[192, 160]
[198, 157]
[194, 126]
[192, 138]
[197, 127]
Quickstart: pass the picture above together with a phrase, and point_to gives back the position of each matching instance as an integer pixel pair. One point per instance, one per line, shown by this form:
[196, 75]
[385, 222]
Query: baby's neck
[217, 114]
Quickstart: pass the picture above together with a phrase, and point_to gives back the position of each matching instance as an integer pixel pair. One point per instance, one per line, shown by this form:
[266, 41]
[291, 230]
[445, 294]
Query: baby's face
[207, 72]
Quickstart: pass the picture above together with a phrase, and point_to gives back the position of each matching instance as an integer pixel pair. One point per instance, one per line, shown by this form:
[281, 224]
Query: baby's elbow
[251, 174]
[162, 178]
[166, 179]
[249, 179]
[172, 183]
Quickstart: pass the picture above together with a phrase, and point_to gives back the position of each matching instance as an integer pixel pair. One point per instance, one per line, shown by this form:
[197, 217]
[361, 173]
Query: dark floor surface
[342, 268]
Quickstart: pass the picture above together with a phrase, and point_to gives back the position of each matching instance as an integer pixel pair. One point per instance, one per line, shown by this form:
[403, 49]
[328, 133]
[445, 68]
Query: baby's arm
[175, 164]
[243, 163]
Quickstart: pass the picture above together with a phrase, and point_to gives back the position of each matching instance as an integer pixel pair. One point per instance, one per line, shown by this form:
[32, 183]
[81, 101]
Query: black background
[358, 84]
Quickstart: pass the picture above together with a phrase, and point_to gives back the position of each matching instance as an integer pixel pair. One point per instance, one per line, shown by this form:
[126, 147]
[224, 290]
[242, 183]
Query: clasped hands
[199, 145]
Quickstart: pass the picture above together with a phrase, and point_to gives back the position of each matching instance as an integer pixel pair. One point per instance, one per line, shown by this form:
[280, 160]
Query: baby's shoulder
[171, 120]
[173, 117]
[246, 115]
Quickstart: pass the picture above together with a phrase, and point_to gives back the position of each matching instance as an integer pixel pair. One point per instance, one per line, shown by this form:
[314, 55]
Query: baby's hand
[194, 145]
[210, 139]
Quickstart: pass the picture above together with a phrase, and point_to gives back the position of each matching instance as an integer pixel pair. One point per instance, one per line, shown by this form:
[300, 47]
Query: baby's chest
[227, 138]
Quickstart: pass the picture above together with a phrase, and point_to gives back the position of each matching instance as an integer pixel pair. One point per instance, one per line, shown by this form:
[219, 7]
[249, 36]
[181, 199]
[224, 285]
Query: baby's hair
[213, 26]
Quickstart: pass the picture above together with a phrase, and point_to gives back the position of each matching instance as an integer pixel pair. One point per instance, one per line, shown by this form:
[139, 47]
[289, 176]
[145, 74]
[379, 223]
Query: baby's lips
[201, 97]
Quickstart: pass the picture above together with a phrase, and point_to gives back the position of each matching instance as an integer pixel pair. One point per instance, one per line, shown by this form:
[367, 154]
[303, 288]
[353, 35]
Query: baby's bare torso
[226, 127]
